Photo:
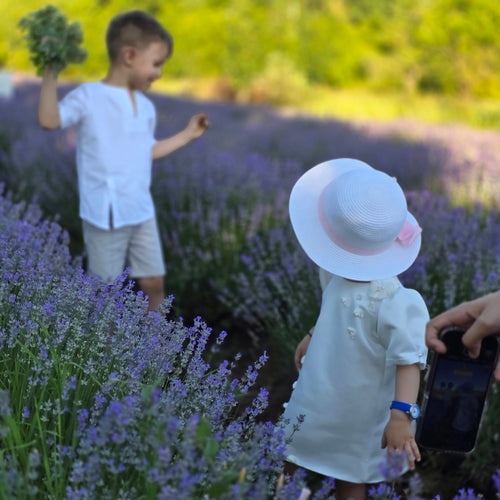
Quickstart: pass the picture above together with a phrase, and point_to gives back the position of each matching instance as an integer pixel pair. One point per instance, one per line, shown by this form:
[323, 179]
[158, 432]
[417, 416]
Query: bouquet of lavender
[53, 42]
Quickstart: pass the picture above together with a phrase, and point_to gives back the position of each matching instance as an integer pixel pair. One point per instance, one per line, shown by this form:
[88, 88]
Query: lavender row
[100, 399]
[222, 203]
[222, 207]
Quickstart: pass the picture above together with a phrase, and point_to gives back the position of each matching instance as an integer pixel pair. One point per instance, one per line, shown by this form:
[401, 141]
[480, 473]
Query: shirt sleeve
[401, 328]
[72, 107]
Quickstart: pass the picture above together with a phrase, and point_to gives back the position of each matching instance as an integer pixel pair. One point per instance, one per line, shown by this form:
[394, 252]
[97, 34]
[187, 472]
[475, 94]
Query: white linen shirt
[113, 153]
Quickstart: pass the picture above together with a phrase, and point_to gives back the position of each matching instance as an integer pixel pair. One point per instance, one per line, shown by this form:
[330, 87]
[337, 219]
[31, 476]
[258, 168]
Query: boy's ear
[128, 54]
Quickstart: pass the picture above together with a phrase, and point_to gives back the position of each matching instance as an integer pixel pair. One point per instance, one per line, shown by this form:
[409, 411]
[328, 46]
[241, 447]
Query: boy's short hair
[137, 29]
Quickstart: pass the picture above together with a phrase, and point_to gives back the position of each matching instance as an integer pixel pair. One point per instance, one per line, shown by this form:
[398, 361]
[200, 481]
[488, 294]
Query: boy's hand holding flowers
[52, 42]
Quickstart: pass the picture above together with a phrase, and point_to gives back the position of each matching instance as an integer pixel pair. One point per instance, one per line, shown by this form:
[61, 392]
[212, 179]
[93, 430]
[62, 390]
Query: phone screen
[455, 395]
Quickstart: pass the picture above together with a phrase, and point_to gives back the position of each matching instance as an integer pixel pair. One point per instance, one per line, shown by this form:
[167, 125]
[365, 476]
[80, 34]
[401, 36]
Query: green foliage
[448, 47]
[280, 82]
[52, 42]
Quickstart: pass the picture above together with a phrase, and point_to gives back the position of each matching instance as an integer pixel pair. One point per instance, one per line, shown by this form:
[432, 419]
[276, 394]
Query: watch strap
[412, 410]
[399, 405]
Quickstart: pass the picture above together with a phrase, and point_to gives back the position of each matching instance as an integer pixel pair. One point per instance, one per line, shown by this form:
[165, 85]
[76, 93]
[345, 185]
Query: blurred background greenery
[436, 60]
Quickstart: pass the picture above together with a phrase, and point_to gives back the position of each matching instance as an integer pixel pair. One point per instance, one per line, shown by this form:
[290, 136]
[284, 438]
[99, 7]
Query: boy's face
[146, 65]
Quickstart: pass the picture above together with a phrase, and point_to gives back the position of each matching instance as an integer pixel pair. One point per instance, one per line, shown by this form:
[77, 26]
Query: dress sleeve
[401, 328]
[72, 107]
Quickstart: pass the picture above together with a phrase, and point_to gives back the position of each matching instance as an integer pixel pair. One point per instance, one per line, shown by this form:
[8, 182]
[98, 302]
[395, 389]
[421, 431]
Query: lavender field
[90, 375]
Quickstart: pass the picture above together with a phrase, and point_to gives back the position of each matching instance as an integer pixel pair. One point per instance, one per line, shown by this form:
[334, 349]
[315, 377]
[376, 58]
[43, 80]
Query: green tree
[459, 45]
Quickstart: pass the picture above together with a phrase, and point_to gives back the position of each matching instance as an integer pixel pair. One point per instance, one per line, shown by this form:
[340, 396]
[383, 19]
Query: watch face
[414, 411]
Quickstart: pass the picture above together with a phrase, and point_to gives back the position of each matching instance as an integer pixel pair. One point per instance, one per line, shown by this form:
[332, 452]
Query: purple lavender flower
[467, 494]
[394, 464]
[496, 481]
[382, 492]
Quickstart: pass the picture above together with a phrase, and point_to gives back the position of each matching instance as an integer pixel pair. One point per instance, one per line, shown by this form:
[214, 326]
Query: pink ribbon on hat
[408, 234]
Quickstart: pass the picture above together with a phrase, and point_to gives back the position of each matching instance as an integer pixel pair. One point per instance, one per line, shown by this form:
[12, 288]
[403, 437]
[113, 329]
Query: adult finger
[462, 315]
[486, 324]
[432, 330]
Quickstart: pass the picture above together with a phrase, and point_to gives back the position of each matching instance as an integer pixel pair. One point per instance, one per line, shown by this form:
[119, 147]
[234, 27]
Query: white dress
[347, 382]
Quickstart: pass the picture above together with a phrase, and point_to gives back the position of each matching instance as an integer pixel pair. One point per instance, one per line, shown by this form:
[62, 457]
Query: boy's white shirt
[113, 152]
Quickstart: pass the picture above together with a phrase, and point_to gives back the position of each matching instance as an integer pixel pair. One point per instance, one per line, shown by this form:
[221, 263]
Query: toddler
[358, 383]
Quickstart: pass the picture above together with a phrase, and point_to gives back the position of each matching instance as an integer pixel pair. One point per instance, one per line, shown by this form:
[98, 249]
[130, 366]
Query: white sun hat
[353, 221]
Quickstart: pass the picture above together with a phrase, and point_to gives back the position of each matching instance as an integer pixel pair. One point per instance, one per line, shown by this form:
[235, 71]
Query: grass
[362, 104]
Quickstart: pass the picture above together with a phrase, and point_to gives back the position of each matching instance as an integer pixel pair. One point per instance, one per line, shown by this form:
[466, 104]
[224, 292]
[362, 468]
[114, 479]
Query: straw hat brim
[305, 219]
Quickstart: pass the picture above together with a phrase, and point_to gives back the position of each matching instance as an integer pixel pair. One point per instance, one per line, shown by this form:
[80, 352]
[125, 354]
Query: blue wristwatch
[413, 411]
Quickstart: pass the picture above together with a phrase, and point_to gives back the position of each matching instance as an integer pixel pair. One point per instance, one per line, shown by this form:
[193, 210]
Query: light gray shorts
[110, 251]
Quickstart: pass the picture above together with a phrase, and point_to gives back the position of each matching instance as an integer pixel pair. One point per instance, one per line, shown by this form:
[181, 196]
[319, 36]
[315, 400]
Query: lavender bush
[214, 197]
[233, 260]
[100, 400]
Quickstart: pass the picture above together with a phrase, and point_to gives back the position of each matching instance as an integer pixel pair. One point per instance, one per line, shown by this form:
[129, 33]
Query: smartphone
[455, 394]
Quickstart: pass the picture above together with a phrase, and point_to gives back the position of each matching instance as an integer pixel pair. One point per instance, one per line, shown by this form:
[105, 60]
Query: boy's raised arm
[194, 129]
[48, 107]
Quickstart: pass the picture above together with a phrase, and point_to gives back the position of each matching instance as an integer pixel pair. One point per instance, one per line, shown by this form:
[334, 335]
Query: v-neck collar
[131, 96]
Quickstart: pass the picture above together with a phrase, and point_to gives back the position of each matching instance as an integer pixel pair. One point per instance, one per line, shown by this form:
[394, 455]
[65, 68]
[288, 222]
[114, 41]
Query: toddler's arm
[398, 433]
[48, 107]
[194, 129]
[301, 349]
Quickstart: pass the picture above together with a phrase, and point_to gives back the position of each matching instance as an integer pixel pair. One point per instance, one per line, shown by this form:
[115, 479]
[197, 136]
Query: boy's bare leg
[154, 289]
[346, 490]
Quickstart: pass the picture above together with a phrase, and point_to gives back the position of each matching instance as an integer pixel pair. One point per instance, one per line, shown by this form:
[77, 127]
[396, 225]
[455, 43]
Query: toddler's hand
[398, 435]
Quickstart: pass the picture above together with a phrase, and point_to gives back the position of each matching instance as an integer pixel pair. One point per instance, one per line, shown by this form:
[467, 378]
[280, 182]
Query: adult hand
[480, 318]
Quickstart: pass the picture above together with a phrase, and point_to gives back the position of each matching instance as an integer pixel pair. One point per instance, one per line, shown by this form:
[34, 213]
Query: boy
[115, 148]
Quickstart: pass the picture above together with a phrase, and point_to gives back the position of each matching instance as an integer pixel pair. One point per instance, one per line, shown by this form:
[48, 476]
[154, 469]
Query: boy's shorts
[110, 251]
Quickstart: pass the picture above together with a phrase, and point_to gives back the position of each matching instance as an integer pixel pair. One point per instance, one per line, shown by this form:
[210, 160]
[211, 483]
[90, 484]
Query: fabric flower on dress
[381, 289]
[359, 313]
